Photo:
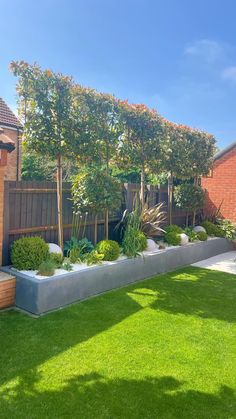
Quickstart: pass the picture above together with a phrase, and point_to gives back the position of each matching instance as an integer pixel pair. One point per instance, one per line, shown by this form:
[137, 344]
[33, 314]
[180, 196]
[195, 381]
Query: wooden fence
[30, 208]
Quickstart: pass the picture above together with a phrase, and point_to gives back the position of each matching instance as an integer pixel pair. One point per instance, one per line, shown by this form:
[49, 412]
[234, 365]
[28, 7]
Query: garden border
[41, 296]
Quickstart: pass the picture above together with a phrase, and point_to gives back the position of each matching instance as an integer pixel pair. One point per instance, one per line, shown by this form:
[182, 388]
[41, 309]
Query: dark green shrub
[173, 238]
[173, 228]
[192, 235]
[67, 265]
[29, 252]
[202, 236]
[75, 255]
[109, 248]
[57, 259]
[46, 268]
[213, 229]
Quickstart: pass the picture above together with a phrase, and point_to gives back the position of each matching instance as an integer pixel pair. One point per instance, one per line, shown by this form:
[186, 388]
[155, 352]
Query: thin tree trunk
[142, 192]
[95, 229]
[187, 219]
[194, 218]
[59, 202]
[170, 197]
[106, 224]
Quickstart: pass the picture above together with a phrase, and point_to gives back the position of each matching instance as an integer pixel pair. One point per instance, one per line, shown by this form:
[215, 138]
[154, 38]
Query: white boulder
[197, 229]
[151, 245]
[54, 248]
[184, 239]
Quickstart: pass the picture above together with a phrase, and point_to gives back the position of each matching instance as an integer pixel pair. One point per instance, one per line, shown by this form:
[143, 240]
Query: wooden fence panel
[30, 208]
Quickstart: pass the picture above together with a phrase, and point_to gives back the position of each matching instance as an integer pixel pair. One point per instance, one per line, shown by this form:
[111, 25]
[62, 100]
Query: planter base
[40, 296]
[7, 290]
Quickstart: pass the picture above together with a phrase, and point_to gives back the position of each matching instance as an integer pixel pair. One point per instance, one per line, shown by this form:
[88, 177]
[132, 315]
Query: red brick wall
[11, 171]
[222, 186]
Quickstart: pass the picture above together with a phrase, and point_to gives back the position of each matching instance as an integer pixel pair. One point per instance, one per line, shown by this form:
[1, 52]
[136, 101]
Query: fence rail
[30, 208]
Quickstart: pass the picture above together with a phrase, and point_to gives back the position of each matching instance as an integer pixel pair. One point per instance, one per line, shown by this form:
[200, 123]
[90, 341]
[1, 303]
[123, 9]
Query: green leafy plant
[29, 252]
[57, 259]
[134, 241]
[94, 258]
[173, 228]
[109, 248]
[227, 227]
[173, 238]
[46, 268]
[75, 249]
[213, 229]
[190, 198]
[192, 235]
[202, 236]
[67, 265]
[142, 241]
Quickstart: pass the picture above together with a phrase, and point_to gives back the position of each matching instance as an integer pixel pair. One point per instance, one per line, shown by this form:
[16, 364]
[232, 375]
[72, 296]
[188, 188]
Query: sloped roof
[5, 142]
[7, 117]
[224, 151]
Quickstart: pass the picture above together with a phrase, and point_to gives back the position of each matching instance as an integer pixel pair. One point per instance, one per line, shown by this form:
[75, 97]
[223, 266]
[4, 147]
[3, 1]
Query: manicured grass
[161, 348]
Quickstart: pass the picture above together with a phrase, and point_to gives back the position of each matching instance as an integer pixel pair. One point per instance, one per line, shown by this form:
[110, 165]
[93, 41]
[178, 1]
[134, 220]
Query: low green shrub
[94, 258]
[67, 266]
[46, 268]
[213, 229]
[173, 228]
[57, 259]
[29, 252]
[173, 238]
[192, 235]
[202, 236]
[74, 255]
[142, 241]
[109, 248]
[228, 228]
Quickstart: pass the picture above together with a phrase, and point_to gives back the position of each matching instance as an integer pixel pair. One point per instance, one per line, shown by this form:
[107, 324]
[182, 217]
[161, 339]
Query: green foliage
[142, 241]
[227, 227]
[67, 266]
[57, 259]
[75, 255]
[29, 252]
[173, 228]
[46, 268]
[173, 238]
[213, 229]
[134, 241]
[95, 190]
[110, 249]
[83, 245]
[94, 258]
[189, 197]
[192, 235]
[202, 236]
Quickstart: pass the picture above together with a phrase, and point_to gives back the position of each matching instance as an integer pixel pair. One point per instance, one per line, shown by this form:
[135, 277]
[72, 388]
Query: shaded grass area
[160, 348]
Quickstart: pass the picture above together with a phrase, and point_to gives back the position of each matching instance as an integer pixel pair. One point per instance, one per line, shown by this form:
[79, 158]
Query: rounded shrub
[173, 238]
[29, 252]
[202, 236]
[142, 241]
[46, 268]
[213, 229]
[173, 228]
[109, 248]
[57, 259]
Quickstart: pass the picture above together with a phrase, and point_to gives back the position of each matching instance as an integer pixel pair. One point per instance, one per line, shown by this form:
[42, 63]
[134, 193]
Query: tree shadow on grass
[95, 396]
[197, 292]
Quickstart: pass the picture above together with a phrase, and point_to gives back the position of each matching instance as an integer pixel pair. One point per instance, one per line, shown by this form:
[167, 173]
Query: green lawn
[161, 348]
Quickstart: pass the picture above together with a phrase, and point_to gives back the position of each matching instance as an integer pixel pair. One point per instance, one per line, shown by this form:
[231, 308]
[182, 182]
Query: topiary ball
[202, 236]
[173, 228]
[28, 253]
[173, 238]
[142, 241]
[109, 248]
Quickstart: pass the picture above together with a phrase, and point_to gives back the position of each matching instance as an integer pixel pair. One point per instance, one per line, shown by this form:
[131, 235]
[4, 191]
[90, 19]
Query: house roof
[224, 151]
[7, 117]
[5, 142]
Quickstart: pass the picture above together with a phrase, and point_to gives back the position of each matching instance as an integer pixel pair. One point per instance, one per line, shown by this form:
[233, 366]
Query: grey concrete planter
[41, 296]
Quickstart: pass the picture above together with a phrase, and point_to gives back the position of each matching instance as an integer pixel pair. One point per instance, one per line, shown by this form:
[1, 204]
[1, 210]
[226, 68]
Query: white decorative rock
[151, 245]
[197, 229]
[54, 248]
[184, 239]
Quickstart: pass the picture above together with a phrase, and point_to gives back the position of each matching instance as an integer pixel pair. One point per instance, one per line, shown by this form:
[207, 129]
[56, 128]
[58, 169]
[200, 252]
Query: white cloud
[206, 49]
[229, 73]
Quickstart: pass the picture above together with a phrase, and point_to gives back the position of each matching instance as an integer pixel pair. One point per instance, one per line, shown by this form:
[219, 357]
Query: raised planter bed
[7, 290]
[40, 296]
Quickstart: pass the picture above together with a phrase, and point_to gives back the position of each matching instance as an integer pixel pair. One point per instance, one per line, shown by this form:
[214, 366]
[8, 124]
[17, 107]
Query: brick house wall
[221, 184]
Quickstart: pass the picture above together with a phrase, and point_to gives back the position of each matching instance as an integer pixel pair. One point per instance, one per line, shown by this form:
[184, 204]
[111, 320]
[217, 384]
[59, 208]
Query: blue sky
[178, 56]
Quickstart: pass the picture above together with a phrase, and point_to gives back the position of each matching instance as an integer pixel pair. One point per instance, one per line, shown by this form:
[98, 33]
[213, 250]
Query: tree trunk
[106, 224]
[194, 218]
[187, 219]
[59, 202]
[95, 229]
[142, 192]
[170, 197]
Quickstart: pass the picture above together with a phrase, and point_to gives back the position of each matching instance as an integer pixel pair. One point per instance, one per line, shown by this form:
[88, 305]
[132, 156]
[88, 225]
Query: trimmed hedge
[29, 252]
[109, 248]
[213, 229]
[173, 238]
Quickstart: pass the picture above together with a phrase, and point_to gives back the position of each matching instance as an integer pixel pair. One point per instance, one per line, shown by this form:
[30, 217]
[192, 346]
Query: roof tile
[7, 117]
